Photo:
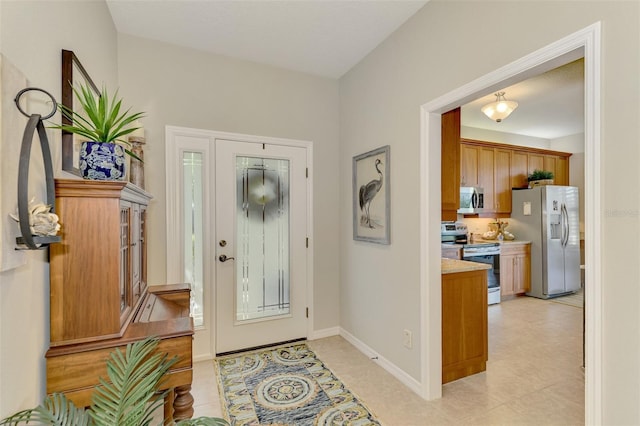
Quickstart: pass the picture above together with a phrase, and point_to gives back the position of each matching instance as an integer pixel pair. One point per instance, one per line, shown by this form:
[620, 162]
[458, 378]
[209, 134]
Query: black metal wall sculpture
[28, 240]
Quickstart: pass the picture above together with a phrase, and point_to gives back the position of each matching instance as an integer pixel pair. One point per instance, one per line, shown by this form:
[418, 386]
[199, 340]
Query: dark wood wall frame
[73, 74]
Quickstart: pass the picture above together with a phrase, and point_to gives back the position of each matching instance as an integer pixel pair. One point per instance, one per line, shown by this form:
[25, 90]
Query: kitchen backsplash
[478, 225]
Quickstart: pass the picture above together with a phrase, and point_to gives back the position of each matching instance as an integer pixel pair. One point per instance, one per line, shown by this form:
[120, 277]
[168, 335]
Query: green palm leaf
[56, 410]
[130, 396]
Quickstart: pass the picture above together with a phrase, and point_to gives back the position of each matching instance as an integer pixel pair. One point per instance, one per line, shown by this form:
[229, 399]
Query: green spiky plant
[540, 175]
[101, 119]
[128, 398]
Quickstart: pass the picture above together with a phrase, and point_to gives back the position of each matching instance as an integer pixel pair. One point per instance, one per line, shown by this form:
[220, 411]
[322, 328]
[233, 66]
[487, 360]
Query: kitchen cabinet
[559, 165]
[469, 165]
[486, 178]
[502, 181]
[450, 170]
[515, 268]
[488, 168]
[464, 324]
[535, 162]
[497, 168]
[549, 163]
[524, 163]
[519, 169]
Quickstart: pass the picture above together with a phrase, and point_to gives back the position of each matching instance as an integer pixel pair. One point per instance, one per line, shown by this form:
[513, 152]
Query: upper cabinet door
[519, 162]
[502, 176]
[562, 171]
[536, 162]
[469, 160]
[450, 164]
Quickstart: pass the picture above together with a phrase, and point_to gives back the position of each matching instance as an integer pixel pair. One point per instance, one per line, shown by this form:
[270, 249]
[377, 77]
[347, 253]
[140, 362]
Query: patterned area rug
[287, 385]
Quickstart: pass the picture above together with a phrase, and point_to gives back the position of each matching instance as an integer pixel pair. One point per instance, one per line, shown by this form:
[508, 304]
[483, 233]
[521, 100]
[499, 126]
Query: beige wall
[188, 88]
[444, 46]
[32, 35]
[503, 137]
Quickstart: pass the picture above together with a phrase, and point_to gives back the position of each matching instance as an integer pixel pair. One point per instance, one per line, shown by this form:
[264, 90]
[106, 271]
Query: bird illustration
[368, 192]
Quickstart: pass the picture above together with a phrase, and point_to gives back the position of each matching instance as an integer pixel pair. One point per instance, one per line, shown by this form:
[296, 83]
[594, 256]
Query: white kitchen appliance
[548, 217]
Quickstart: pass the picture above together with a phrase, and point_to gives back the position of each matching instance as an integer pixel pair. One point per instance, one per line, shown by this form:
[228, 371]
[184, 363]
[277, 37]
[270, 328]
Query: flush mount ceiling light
[500, 109]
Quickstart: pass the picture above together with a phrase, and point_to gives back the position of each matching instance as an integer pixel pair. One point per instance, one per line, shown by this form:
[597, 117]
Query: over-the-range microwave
[471, 200]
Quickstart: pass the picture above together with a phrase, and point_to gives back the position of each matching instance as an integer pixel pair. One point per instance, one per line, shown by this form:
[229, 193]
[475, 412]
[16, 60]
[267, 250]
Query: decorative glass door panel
[262, 238]
[193, 232]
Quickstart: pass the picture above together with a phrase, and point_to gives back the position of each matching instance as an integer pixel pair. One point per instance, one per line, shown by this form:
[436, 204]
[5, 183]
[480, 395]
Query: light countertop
[452, 266]
[502, 242]
[449, 245]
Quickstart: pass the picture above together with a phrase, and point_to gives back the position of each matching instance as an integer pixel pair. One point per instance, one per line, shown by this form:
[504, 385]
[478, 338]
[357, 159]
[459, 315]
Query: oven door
[493, 274]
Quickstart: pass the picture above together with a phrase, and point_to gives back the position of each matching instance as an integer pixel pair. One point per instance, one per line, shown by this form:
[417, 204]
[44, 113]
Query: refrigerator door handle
[562, 231]
[565, 225]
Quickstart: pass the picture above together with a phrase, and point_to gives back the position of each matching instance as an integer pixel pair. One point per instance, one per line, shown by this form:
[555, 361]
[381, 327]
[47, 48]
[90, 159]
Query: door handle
[224, 258]
[565, 225]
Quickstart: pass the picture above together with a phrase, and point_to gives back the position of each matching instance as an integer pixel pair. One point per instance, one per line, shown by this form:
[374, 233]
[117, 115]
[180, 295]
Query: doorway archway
[584, 43]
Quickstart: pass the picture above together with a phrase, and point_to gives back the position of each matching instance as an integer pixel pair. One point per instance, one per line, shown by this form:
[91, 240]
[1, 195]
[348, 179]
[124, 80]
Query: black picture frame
[73, 75]
[371, 196]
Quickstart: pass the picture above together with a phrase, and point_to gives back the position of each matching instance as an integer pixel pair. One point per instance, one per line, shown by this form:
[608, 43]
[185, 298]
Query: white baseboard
[387, 365]
[326, 332]
[204, 357]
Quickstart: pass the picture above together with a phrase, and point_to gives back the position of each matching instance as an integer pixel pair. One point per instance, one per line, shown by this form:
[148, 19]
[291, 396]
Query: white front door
[261, 222]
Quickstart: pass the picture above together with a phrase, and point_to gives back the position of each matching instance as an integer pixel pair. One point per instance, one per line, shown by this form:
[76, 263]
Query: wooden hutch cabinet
[99, 297]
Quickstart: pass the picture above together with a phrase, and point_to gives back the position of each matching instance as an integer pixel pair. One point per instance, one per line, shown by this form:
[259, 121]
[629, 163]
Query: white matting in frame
[371, 196]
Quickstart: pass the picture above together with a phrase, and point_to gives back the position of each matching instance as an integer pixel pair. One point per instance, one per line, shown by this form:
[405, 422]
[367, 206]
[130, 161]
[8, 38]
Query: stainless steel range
[485, 252]
[488, 253]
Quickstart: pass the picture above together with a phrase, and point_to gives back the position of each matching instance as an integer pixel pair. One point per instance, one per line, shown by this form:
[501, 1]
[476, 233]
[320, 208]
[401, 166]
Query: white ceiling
[550, 105]
[327, 38]
[322, 37]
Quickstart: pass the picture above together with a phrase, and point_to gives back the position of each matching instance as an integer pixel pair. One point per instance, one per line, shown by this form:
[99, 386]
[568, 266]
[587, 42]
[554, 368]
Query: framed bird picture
[371, 196]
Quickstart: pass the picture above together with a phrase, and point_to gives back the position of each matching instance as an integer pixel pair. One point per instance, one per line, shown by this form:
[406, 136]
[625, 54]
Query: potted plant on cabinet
[103, 124]
[129, 397]
[540, 177]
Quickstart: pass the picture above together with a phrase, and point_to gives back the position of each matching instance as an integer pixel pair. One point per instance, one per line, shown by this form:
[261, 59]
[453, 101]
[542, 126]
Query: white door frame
[584, 43]
[179, 140]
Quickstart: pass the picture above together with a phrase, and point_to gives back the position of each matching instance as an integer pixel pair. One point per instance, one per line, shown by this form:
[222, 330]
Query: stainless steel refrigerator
[548, 217]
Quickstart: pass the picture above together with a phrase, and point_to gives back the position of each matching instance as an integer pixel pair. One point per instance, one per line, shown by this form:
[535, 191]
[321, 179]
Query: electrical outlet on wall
[407, 340]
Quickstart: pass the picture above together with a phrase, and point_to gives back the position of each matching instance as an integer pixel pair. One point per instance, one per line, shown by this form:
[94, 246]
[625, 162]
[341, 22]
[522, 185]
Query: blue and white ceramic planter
[102, 161]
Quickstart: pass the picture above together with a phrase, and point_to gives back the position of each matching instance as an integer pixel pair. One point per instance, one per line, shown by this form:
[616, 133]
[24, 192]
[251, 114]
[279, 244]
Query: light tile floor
[534, 375]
